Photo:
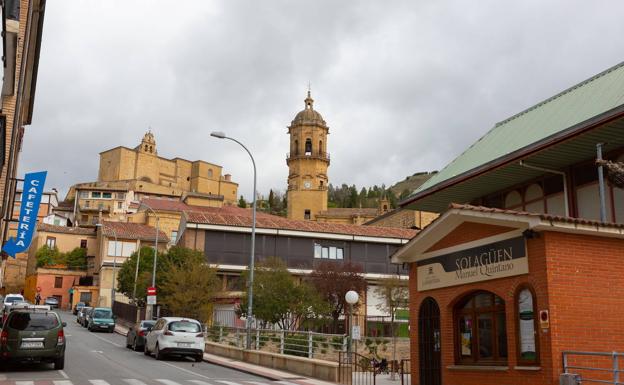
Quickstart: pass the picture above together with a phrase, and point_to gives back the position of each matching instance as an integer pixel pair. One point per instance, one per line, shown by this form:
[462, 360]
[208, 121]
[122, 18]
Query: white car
[175, 336]
[11, 298]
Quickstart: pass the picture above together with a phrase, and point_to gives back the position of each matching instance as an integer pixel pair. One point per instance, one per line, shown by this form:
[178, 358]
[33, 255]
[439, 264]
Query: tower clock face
[307, 184]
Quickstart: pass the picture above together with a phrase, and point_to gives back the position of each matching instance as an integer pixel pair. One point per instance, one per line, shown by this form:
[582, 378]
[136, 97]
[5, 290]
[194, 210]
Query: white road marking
[132, 381]
[63, 374]
[105, 340]
[186, 370]
[230, 382]
[99, 382]
[256, 382]
[167, 382]
[24, 382]
[200, 382]
[284, 382]
[62, 382]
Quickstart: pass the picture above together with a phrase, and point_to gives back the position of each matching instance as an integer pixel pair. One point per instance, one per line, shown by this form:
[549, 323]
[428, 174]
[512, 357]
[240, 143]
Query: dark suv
[33, 335]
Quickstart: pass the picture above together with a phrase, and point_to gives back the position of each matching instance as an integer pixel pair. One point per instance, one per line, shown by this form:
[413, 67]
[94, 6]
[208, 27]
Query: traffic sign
[151, 300]
[151, 290]
[355, 333]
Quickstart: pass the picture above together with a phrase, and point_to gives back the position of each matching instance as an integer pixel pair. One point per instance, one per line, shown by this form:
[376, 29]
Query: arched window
[308, 147]
[534, 199]
[296, 148]
[513, 200]
[209, 173]
[480, 329]
[528, 350]
[146, 148]
[320, 146]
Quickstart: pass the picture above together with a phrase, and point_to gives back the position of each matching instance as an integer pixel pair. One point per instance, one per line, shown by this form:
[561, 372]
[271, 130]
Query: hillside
[411, 183]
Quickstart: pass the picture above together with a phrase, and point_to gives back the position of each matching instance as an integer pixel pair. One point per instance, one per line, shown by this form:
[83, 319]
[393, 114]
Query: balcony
[308, 155]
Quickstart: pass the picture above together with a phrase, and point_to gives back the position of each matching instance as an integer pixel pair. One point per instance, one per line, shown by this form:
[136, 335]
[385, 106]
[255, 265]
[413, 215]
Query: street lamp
[221, 135]
[351, 297]
[102, 225]
[155, 252]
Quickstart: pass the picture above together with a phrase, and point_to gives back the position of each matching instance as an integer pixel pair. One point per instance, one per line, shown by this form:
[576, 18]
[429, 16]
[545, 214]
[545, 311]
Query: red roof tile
[129, 230]
[225, 217]
[349, 212]
[65, 229]
[179, 206]
[548, 217]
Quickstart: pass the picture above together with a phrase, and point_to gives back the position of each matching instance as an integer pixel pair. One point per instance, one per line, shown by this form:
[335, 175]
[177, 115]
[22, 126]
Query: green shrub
[368, 341]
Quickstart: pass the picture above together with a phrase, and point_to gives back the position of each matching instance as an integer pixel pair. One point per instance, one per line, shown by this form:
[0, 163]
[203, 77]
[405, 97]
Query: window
[120, 205]
[58, 282]
[84, 218]
[296, 148]
[209, 173]
[96, 194]
[480, 330]
[57, 222]
[308, 147]
[107, 195]
[320, 145]
[51, 242]
[328, 252]
[120, 195]
[84, 194]
[83, 243]
[306, 214]
[87, 204]
[527, 344]
[122, 249]
[30, 321]
[174, 237]
[18, 197]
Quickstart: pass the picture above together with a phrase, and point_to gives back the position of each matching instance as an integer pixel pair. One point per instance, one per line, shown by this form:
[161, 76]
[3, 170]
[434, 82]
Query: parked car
[82, 316]
[135, 339]
[10, 298]
[175, 336]
[53, 302]
[34, 335]
[78, 307]
[101, 318]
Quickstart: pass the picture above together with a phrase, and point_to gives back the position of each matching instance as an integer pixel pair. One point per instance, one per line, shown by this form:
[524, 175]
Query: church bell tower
[307, 162]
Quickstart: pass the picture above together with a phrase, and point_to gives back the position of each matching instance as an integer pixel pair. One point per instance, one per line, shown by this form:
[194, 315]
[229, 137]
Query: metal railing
[355, 369]
[405, 372]
[594, 367]
[313, 154]
[296, 343]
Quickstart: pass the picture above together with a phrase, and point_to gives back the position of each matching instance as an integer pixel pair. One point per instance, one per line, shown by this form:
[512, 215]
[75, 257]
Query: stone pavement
[271, 374]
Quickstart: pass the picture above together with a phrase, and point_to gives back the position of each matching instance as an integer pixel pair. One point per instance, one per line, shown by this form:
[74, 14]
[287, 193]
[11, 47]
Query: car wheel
[199, 358]
[129, 346]
[158, 354]
[135, 347]
[59, 363]
[145, 351]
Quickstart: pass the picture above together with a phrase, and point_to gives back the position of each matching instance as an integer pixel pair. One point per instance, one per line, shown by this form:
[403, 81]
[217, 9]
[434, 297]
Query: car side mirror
[64, 324]
[149, 329]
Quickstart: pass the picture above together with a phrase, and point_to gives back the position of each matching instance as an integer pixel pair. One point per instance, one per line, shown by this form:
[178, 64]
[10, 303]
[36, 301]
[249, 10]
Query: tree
[279, 299]
[188, 288]
[332, 281]
[47, 256]
[394, 295]
[242, 203]
[76, 259]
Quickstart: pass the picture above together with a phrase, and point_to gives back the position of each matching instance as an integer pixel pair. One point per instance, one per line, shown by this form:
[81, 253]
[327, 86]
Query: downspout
[565, 182]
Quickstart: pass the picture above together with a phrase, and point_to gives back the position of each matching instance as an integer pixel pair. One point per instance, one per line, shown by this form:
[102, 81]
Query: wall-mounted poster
[527, 325]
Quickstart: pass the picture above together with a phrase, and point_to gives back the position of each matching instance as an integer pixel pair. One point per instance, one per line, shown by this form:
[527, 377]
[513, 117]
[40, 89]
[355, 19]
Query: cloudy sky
[405, 86]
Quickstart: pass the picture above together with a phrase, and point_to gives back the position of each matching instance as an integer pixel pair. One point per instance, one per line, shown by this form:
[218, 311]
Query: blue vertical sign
[31, 198]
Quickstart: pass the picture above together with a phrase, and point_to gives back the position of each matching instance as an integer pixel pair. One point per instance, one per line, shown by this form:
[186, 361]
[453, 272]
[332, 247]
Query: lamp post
[221, 135]
[102, 225]
[155, 252]
[351, 297]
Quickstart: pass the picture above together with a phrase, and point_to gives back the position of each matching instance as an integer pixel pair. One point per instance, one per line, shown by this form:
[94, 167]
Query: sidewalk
[271, 374]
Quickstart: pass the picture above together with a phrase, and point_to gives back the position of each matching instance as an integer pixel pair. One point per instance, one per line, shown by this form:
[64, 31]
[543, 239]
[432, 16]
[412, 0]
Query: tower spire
[309, 102]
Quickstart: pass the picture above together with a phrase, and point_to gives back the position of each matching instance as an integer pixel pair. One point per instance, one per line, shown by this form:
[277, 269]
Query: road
[103, 359]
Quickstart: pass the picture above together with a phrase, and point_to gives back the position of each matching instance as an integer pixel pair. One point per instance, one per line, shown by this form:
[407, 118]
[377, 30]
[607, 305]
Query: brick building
[528, 264]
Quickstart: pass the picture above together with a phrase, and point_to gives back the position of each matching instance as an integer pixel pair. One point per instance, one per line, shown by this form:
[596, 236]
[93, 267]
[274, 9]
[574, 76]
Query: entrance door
[429, 343]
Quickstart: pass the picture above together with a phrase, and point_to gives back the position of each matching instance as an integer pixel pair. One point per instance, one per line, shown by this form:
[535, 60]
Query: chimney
[228, 177]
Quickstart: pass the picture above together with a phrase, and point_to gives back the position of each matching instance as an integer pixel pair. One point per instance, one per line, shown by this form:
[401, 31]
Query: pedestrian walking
[38, 299]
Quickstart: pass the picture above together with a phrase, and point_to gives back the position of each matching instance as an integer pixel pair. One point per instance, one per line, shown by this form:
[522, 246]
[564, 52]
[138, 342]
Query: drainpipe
[565, 182]
[601, 185]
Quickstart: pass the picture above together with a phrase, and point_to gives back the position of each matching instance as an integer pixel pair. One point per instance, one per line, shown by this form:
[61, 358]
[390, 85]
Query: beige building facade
[307, 162]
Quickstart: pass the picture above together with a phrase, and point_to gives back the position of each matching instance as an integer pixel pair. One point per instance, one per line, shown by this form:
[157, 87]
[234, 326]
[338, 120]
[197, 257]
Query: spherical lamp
[352, 297]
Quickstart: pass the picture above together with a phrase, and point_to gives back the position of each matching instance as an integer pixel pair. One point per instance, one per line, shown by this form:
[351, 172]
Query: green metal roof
[566, 110]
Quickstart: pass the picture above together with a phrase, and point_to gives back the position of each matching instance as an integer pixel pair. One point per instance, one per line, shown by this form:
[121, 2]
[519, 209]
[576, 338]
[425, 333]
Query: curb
[244, 370]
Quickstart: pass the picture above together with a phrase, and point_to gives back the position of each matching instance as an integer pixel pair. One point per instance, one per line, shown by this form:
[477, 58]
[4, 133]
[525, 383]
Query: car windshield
[11, 299]
[147, 324]
[33, 321]
[102, 314]
[185, 327]
[80, 304]
[52, 299]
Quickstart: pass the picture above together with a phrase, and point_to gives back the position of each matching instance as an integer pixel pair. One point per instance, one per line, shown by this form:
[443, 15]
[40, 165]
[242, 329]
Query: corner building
[523, 270]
